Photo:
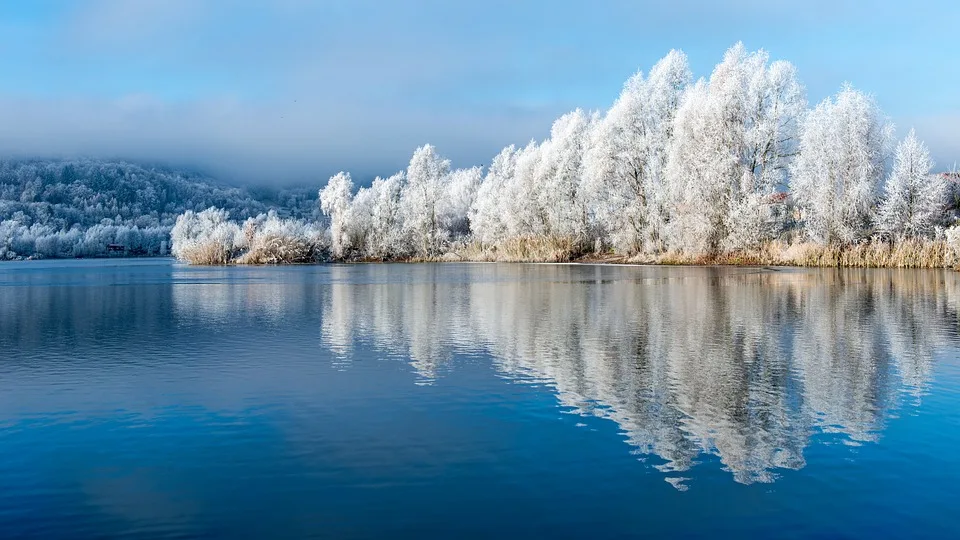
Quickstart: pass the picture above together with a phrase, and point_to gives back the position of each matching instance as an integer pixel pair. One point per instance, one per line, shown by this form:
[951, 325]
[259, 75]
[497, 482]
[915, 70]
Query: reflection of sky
[162, 399]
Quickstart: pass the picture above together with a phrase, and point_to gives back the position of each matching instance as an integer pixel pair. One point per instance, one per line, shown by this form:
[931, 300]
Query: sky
[292, 91]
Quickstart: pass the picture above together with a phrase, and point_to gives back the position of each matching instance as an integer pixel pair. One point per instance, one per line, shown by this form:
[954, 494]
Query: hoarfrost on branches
[914, 200]
[836, 176]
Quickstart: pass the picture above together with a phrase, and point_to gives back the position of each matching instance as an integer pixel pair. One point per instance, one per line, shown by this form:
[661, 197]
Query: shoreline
[618, 260]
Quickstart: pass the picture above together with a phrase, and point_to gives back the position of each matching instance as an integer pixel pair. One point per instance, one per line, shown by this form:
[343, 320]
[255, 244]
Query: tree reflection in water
[742, 364]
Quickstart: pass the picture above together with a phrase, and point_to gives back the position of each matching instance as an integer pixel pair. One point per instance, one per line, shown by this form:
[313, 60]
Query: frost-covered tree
[373, 226]
[420, 200]
[386, 226]
[335, 201]
[836, 177]
[734, 136]
[628, 147]
[697, 166]
[914, 200]
[559, 176]
[460, 192]
[487, 221]
[416, 212]
[523, 214]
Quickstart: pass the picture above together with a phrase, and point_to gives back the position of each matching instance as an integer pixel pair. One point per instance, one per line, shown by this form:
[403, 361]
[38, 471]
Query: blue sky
[295, 90]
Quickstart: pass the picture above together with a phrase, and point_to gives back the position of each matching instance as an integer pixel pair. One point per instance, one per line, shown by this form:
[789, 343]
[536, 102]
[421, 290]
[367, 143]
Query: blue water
[145, 399]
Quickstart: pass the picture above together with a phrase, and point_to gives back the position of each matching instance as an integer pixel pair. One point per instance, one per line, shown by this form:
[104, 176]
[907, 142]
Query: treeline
[77, 208]
[735, 167]
[714, 167]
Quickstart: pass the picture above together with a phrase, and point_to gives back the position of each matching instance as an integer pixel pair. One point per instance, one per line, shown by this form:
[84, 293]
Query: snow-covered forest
[78, 208]
[736, 163]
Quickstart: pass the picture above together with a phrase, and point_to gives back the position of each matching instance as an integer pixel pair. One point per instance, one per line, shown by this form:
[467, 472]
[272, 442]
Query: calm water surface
[148, 399]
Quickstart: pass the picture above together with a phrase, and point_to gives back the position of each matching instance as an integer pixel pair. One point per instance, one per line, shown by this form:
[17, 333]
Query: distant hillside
[78, 207]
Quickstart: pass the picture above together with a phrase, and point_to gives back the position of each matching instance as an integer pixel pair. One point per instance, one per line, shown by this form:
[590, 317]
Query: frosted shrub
[206, 237]
[271, 240]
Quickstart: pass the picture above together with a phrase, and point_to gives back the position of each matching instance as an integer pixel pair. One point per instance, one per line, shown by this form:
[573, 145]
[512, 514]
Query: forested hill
[59, 208]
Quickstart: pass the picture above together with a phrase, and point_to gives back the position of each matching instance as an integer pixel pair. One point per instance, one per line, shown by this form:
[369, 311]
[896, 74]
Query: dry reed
[876, 254]
[209, 253]
[279, 249]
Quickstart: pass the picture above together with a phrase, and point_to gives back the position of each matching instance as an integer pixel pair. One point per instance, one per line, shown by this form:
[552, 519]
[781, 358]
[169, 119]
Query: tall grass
[206, 253]
[875, 254]
[271, 248]
[524, 249]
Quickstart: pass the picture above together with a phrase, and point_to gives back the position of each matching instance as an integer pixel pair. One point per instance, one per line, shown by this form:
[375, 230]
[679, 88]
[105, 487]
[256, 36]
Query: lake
[148, 399]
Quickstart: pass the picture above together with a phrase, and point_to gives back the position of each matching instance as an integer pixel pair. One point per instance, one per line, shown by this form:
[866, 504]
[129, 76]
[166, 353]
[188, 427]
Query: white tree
[460, 192]
[522, 211]
[358, 219]
[696, 168]
[734, 138]
[627, 154]
[914, 200]
[487, 220]
[420, 198]
[835, 178]
[386, 225]
[559, 176]
[335, 200]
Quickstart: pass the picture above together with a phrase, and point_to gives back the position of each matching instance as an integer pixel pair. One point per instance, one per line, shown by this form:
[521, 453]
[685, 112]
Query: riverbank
[876, 254]
[91, 257]
[906, 254]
